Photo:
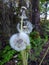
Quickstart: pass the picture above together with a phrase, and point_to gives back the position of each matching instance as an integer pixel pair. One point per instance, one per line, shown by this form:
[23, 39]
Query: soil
[11, 62]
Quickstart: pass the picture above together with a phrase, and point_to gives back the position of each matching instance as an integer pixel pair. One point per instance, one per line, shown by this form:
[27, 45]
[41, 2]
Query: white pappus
[27, 27]
[19, 41]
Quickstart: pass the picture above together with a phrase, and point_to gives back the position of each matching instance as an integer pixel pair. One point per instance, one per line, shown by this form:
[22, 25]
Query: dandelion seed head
[19, 41]
[16, 44]
[27, 27]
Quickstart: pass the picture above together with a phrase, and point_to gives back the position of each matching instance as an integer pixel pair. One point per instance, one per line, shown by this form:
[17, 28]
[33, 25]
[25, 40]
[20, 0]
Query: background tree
[44, 8]
[35, 13]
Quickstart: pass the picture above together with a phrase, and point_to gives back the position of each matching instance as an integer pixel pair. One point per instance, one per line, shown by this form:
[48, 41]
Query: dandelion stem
[23, 53]
[24, 58]
[22, 23]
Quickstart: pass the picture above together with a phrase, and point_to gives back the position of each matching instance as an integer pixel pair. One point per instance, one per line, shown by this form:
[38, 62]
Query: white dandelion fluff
[19, 41]
[15, 4]
[23, 7]
[25, 38]
[23, 11]
[27, 27]
[5, 1]
[15, 13]
[27, 3]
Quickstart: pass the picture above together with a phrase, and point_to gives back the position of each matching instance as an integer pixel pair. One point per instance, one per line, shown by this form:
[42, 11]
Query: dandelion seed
[15, 13]
[19, 41]
[15, 56]
[23, 7]
[5, 1]
[25, 38]
[27, 27]
[16, 61]
[27, 3]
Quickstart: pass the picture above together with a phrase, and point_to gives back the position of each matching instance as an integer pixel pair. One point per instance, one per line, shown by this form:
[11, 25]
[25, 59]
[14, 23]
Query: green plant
[6, 54]
[45, 27]
[36, 44]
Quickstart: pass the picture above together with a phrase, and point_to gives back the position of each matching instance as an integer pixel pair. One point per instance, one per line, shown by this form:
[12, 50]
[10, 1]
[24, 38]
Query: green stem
[23, 53]
[22, 24]
[26, 55]
[24, 59]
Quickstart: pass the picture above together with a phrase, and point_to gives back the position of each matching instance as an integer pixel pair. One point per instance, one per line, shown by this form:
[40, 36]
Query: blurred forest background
[38, 14]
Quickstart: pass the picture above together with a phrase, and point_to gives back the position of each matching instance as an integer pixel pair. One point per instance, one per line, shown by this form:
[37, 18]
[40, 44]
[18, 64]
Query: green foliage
[6, 54]
[42, 6]
[36, 43]
[45, 27]
[44, 0]
[19, 63]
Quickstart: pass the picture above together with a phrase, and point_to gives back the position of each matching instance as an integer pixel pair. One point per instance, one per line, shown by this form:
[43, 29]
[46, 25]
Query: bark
[46, 4]
[5, 21]
[35, 13]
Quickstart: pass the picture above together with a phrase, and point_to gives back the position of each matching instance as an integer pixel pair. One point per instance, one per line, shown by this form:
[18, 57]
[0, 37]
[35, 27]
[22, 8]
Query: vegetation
[9, 17]
[37, 43]
[6, 54]
[45, 27]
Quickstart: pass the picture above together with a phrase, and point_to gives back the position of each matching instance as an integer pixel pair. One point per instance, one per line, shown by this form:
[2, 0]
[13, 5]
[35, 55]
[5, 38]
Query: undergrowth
[36, 45]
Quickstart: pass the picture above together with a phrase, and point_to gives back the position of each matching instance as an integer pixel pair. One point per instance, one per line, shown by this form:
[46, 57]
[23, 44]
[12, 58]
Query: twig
[44, 56]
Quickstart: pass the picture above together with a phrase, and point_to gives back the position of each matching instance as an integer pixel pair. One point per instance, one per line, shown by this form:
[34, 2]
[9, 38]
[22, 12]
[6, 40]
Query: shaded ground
[45, 62]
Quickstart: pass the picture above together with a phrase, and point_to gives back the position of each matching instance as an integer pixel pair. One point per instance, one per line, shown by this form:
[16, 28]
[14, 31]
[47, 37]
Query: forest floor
[45, 61]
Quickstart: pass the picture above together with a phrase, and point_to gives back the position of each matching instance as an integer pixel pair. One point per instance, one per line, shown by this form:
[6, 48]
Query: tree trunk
[35, 14]
[5, 21]
[46, 4]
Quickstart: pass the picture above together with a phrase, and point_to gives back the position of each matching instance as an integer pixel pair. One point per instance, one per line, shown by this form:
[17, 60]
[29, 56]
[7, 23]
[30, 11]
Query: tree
[35, 13]
[44, 9]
